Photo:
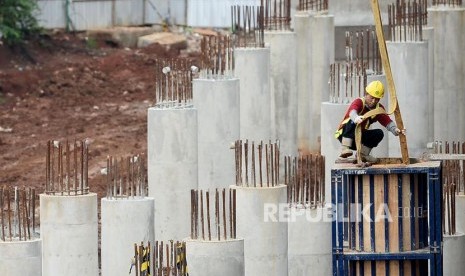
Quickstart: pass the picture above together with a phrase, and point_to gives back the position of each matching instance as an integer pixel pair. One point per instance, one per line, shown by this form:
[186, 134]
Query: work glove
[358, 119]
[398, 131]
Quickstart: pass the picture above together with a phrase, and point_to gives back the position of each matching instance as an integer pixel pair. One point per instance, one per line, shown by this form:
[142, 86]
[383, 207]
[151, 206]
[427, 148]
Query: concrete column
[304, 78]
[428, 35]
[225, 258]
[322, 51]
[264, 231]
[124, 223]
[449, 99]
[69, 231]
[460, 213]
[409, 62]
[217, 103]
[315, 49]
[331, 115]
[310, 241]
[283, 89]
[252, 68]
[172, 168]
[453, 251]
[21, 257]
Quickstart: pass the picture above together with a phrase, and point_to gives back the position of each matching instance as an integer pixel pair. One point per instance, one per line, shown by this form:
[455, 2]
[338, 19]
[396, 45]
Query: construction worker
[354, 115]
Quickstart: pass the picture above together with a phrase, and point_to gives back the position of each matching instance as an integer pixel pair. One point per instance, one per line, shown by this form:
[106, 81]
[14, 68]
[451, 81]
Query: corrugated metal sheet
[101, 14]
[213, 13]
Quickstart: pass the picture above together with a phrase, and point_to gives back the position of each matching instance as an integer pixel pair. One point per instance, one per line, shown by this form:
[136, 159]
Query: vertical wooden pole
[390, 80]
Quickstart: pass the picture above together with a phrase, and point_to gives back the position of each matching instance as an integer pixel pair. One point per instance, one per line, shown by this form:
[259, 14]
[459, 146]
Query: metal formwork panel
[387, 219]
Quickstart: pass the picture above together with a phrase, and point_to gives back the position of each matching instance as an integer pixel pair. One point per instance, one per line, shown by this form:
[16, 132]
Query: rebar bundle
[407, 19]
[167, 259]
[173, 82]
[223, 209]
[452, 156]
[248, 26]
[277, 14]
[67, 167]
[257, 165]
[17, 219]
[126, 178]
[313, 5]
[362, 46]
[305, 180]
[347, 81]
[453, 3]
[217, 57]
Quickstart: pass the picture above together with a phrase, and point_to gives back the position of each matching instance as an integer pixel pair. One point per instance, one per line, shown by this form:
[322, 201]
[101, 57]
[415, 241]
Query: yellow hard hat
[375, 89]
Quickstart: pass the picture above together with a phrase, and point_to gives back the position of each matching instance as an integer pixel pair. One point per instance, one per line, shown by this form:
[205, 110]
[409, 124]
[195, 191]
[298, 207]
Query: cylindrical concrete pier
[460, 213]
[410, 63]
[69, 231]
[331, 115]
[453, 252]
[322, 40]
[252, 68]
[172, 168]
[283, 89]
[428, 35]
[124, 223]
[21, 258]
[264, 229]
[449, 100]
[225, 258]
[304, 78]
[217, 103]
[310, 241]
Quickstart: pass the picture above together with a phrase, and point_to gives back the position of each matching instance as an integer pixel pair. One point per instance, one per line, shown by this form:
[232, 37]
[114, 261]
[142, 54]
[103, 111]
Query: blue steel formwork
[427, 257]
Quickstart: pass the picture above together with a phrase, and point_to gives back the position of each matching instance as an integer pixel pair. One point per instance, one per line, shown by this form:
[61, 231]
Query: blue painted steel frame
[433, 252]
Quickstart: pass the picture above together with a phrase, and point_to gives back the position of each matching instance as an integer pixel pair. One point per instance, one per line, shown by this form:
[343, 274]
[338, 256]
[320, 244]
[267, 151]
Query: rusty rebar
[305, 180]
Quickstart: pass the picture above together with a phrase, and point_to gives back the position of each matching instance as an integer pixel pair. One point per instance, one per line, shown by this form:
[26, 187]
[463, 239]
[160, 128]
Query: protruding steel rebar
[217, 57]
[126, 179]
[305, 180]
[17, 207]
[248, 26]
[224, 215]
[58, 168]
[246, 167]
[452, 3]
[173, 252]
[173, 82]
[313, 5]
[452, 155]
[277, 14]
[406, 20]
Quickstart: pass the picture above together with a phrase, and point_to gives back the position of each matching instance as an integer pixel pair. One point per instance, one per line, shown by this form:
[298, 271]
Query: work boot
[345, 148]
[365, 154]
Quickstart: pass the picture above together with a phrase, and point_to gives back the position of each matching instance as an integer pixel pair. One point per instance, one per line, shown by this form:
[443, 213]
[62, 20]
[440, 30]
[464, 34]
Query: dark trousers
[370, 137]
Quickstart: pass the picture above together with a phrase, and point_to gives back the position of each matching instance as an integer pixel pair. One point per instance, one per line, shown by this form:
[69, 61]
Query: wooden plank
[406, 208]
[390, 80]
[394, 210]
[380, 237]
[365, 221]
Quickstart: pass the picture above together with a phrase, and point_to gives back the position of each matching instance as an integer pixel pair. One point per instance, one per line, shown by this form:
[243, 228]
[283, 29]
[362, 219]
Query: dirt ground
[59, 87]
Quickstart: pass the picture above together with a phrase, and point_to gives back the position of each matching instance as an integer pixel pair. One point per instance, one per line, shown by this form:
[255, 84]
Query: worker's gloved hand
[398, 131]
[358, 120]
